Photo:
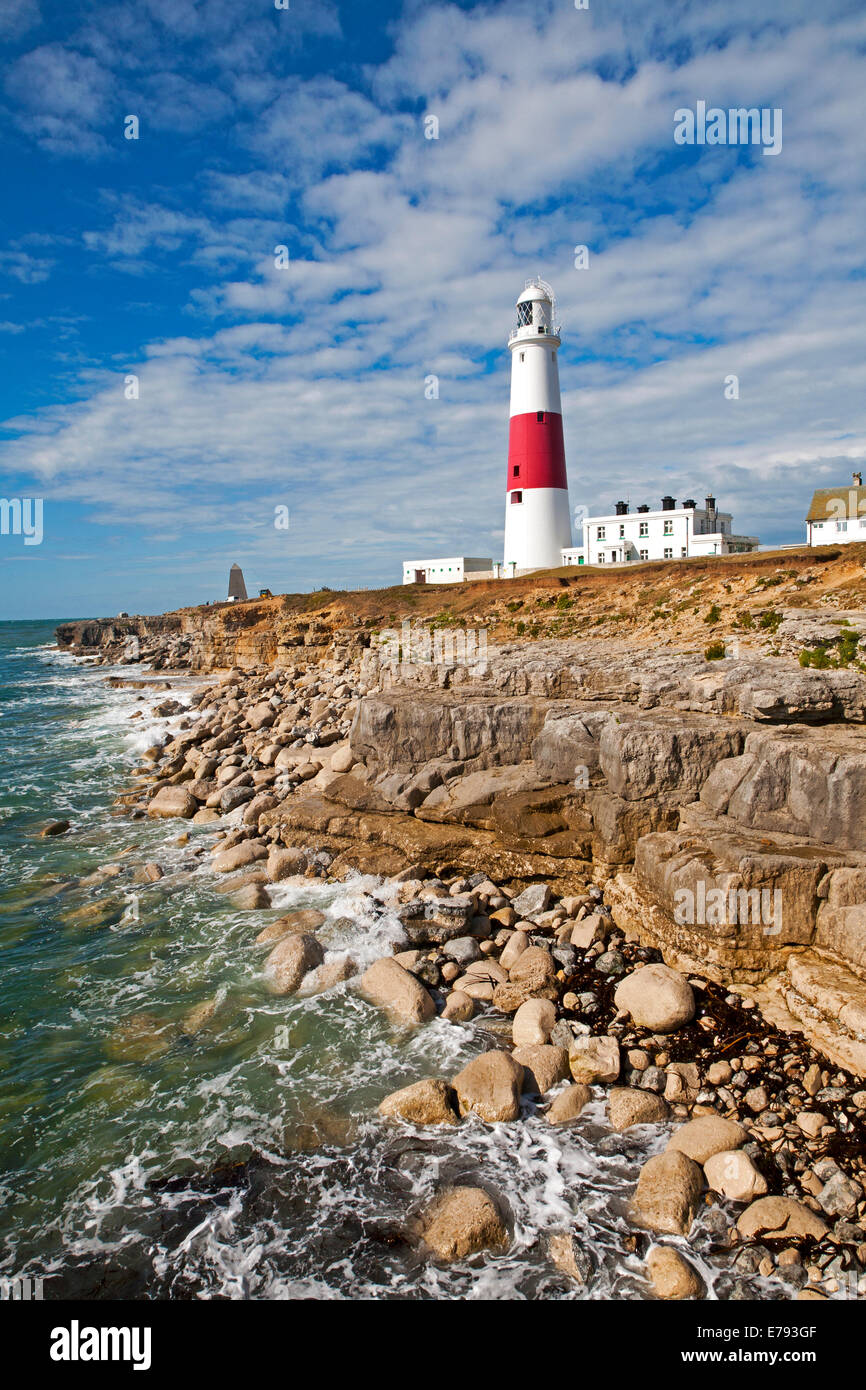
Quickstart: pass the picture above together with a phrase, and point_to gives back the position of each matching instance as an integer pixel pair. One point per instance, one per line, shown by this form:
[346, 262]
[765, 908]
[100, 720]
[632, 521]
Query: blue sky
[303, 386]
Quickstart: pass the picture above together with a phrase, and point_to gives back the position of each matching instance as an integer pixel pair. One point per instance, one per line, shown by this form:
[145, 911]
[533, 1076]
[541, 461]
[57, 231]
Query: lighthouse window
[516, 470]
[516, 497]
[524, 314]
[539, 415]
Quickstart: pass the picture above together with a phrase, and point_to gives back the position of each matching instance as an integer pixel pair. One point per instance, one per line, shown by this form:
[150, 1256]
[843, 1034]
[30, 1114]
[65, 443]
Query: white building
[453, 569]
[837, 514]
[670, 533]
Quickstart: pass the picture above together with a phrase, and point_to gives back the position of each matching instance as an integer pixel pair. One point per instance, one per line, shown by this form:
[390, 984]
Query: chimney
[643, 507]
[621, 508]
[668, 504]
[711, 505]
[689, 502]
[858, 479]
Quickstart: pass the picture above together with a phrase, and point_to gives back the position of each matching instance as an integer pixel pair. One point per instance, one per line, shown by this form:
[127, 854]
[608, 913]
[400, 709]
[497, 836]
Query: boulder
[459, 1007]
[671, 1275]
[569, 1256]
[707, 1135]
[397, 992]
[306, 919]
[290, 960]
[627, 1106]
[490, 1086]
[532, 901]
[284, 863]
[332, 972]
[533, 1023]
[543, 1066]
[513, 949]
[656, 997]
[734, 1175]
[429, 1102]
[594, 1059]
[172, 801]
[568, 1104]
[463, 949]
[251, 895]
[343, 759]
[260, 716]
[780, 1218]
[60, 827]
[247, 852]
[667, 1193]
[461, 1221]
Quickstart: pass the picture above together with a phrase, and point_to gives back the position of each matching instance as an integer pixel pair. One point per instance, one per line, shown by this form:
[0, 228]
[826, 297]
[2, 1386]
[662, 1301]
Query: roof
[536, 290]
[837, 503]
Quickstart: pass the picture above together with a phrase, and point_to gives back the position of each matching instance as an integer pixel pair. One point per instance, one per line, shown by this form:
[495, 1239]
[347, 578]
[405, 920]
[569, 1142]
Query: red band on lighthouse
[536, 452]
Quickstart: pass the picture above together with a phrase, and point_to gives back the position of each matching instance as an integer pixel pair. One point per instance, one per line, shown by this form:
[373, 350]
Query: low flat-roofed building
[453, 569]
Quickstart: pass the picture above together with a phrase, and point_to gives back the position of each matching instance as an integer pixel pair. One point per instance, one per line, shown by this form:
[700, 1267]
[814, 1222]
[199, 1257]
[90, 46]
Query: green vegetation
[745, 621]
[846, 654]
[770, 620]
[713, 614]
[715, 651]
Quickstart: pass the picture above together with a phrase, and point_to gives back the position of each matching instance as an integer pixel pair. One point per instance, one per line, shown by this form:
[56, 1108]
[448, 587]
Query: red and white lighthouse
[537, 517]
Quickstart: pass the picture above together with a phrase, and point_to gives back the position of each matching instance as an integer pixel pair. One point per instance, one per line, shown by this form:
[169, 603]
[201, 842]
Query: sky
[171, 382]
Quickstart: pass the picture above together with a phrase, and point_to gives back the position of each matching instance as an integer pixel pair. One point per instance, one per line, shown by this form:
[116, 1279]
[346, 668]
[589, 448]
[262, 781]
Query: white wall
[535, 378]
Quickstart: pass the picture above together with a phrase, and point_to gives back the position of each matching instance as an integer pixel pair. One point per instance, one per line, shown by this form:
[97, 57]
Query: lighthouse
[537, 518]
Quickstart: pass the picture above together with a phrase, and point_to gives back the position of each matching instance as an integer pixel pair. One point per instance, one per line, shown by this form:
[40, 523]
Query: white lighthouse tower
[537, 517]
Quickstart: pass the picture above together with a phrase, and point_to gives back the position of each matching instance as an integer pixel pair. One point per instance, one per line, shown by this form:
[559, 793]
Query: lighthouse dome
[536, 311]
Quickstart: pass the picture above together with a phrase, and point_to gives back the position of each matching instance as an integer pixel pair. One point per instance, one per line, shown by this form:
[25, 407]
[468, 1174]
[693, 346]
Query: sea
[142, 1157]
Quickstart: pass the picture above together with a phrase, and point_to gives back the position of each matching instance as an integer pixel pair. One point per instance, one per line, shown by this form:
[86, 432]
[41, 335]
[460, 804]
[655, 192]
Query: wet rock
[490, 1086]
[284, 863]
[667, 1193]
[238, 856]
[306, 919]
[732, 1174]
[671, 1275]
[568, 1104]
[291, 959]
[610, 963]
[332, 972]
[543, 1066]
[594, 1059]
[462, 1221]
[60, 827]
[780, 1218]
[251, 896]
[459, 1007]
[533, 1023]
[656, 997]
[199, 1016]
[142, 1038]
[429, 1102]
[627, 1107]
[171, 802]
[699, 1139]
[569, 1256]
[402, 996]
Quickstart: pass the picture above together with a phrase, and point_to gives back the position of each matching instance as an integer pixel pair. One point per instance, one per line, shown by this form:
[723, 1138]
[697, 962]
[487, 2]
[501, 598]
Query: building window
[601, 559]
[516, 470]
[841, 526]
[644, 528]
[599, 533]
[522, 356]
[684, 551]
[644, 554]
[516, 497]
[669, 528]
[539, 415]
[669, 554]
[622, 532]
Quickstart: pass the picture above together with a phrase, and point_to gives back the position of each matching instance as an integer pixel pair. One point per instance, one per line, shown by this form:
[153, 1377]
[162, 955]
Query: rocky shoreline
[527, 914]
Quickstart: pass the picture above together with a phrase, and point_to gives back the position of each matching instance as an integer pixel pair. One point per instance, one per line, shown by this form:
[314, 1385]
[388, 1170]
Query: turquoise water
[141, 1156]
